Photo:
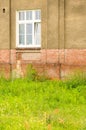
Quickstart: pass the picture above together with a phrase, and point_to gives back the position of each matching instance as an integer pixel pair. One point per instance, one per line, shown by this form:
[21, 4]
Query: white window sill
[28, 49]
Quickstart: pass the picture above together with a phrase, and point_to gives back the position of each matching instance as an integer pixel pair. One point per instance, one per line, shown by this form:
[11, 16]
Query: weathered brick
[56, 63]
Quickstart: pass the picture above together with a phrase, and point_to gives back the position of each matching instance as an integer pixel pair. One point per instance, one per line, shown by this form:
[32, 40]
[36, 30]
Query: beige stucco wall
[63, 22]
[52, 24]
[4, 24]
[75, 23]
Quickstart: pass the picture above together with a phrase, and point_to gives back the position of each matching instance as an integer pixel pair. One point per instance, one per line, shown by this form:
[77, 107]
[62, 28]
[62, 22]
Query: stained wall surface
[63, 45]
[63, 22]
[52, 23]
[75, 24]
[4, 24]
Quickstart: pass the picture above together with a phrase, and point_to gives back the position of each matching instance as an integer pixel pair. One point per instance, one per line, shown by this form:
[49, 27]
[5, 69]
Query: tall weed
[32, 74]
[76, 79]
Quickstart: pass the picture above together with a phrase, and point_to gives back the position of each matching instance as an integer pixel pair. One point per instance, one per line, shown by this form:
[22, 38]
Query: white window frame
[27, 21]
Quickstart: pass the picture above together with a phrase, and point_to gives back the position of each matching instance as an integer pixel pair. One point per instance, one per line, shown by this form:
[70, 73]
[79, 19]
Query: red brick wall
[4, 56]
[7, 61]
[67, 60]
[50, 56]
[7, 56]
[75, 56]
[64, 56]
[56, 63]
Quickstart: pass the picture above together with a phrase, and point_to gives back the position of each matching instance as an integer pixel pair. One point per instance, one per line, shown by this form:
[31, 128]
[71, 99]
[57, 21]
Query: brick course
[4, 56]
[56, 62]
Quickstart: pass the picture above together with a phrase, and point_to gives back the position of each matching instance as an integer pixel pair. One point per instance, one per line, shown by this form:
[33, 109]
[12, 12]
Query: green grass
[48, 105]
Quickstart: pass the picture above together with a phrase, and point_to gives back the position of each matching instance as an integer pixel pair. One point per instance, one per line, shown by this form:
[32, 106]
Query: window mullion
[25, 34]
[33, 38]
[33, 34]
[25, 30]
[17, 29]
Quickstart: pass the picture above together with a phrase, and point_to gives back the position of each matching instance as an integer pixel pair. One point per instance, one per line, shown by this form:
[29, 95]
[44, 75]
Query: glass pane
[29, 15]
[37, 28]
[21, 29]
[37, 33]
[38, 40]
[28, 39]
[21, 39]
[29, 29]
[38, 15]
[21, 16]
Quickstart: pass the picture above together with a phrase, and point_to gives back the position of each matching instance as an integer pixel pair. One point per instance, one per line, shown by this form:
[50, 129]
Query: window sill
[28, 49]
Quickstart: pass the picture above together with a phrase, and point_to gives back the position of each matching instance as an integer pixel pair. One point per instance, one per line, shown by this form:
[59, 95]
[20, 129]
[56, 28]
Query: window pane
[37, 28]
[29, 31]
[21, 29]
[29, 15]
[38, 15]
[37, 33]
[21, 39]
[21, 16]
[28, 28]
[38, 40]
[28, 39]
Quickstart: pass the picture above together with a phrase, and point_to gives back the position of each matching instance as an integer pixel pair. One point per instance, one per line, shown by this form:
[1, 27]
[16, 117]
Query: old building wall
[75, 24]
[52, 24]
[63, 46]
[4, 24]
[58, 16]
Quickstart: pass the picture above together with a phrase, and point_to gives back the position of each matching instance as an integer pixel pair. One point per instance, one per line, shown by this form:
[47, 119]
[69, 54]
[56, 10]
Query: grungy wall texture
[75, 24]
[63, 45]
[63, 22]
[4, 24]
[52, 24]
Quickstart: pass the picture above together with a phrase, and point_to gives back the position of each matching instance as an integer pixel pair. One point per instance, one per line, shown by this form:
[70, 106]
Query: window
[28, 28]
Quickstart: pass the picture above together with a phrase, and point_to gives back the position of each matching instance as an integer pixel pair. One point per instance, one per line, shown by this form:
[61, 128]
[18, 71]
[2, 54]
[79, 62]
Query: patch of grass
[47, 105]
[76, 79]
